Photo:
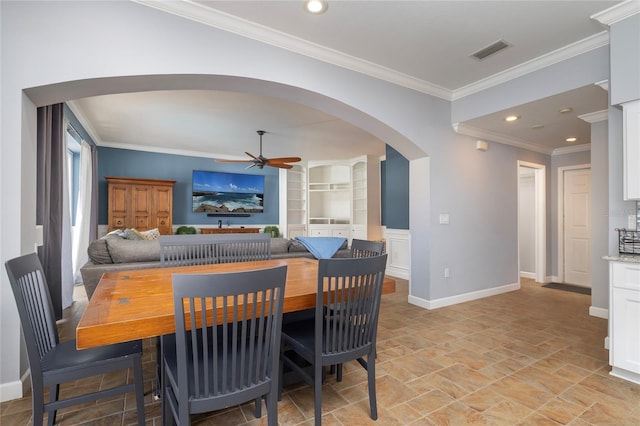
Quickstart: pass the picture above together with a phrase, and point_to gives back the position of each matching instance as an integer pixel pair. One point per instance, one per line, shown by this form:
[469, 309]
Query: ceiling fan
[262, 161]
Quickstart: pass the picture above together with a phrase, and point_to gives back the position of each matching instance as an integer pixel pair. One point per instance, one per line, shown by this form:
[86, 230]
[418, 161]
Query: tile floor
[531, 357]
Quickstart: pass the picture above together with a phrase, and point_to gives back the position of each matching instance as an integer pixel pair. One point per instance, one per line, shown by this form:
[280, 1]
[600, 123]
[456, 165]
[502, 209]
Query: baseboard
[11, 390]
[397, 272]
[461, 298]
[530, 275]
[599, 312]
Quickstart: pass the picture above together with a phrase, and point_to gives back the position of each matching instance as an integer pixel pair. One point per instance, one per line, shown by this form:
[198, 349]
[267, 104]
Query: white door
[577, 227]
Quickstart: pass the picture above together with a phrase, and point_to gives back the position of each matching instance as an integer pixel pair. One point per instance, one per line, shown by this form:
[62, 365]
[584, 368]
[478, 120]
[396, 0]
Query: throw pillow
[151, 234]
[131, 234]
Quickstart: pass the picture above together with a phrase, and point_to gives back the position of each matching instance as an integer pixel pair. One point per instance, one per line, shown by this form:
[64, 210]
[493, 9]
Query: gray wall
[599, 214]
[526, 221]
[395, 193]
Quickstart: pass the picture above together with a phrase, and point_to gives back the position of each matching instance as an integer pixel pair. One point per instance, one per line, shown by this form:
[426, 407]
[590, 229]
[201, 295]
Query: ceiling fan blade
[251, 155]
[284, 160]
[280, 165]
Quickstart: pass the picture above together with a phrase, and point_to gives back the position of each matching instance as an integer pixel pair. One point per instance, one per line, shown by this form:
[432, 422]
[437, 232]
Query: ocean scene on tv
[218, 192]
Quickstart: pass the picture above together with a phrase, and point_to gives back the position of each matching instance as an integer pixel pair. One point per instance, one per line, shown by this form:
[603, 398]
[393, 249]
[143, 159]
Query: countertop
[630, 258]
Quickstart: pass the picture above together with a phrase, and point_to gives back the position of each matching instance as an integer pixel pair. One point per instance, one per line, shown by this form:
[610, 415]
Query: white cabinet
[631, 150]
[624, 320]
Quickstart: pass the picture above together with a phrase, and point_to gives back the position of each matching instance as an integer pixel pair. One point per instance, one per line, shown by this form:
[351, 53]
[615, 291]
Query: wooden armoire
[141, 204]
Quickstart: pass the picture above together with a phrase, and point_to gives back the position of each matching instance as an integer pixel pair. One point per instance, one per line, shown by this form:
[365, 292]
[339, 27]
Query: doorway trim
[560, 213]
[540, 206]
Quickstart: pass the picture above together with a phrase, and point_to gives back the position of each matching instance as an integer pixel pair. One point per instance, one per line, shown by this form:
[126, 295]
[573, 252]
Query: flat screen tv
[220, 192]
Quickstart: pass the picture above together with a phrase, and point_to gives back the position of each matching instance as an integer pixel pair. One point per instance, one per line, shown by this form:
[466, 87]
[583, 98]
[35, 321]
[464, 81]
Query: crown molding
[227, 22]
[475, 132]
[172, 151]
[572, 149]
[617, 13]
[585, 45]
[596, 116]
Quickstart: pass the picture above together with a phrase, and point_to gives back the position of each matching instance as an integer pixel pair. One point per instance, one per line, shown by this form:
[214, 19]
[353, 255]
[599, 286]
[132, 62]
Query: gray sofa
[115, 253]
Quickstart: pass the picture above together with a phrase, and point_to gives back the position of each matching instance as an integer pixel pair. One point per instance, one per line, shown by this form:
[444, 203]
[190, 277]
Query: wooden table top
[137, 304]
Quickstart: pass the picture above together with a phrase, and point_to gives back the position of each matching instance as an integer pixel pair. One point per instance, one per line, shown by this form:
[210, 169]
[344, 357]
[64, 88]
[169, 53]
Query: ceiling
[424, 45]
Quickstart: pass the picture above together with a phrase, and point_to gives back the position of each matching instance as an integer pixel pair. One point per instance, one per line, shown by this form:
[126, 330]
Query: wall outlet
[446, 272]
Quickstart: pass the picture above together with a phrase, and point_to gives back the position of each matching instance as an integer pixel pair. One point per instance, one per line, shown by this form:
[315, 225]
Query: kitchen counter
[630, 258]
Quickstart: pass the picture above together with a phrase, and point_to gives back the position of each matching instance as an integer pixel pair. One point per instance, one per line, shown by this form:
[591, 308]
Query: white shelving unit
[296, 191]
[344, 198]
[329, 189]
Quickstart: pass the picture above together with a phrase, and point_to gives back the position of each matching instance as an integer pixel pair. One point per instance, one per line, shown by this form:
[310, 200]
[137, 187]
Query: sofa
[116, 253]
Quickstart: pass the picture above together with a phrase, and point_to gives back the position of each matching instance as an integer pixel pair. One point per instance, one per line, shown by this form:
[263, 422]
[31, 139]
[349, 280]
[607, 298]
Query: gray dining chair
[349, 334]
[214, 362]
[52, 362]
[359, 248]
[205, 249]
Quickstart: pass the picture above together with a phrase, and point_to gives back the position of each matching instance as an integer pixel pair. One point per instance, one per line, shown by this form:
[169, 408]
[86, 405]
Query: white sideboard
[624, 320]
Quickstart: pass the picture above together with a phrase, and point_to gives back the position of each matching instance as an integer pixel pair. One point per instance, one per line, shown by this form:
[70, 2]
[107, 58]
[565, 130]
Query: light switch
[444, 218]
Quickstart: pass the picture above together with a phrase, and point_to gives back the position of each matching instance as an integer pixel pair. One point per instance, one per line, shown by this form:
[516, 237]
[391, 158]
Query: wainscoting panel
[399, 250]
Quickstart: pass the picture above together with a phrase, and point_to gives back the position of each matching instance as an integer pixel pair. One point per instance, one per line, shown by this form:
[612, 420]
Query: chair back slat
[356, 286]
[206, 249]
[366, 248]
[37, 317]
[233, 352]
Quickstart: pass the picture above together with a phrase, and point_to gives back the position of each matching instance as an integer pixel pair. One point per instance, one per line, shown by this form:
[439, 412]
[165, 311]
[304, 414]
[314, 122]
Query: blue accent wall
[151, 165]
[395, 202]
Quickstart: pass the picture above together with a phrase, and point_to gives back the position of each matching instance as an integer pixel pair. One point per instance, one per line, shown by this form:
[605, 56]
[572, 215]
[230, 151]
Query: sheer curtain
[66, 246]
[82, 230]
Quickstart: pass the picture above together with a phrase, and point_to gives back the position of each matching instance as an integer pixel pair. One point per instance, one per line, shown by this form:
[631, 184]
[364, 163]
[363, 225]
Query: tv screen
[219, 192]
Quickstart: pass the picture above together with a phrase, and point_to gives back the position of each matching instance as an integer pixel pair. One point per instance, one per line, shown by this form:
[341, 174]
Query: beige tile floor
[531, 357]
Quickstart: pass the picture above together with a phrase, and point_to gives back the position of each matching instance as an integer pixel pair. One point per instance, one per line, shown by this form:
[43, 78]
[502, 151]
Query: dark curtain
[50, 169]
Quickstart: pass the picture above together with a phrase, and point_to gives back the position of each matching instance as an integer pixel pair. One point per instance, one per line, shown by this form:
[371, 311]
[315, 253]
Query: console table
[229, 230]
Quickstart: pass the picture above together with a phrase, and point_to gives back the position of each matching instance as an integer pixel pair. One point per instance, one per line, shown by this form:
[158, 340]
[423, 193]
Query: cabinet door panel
[626, 322]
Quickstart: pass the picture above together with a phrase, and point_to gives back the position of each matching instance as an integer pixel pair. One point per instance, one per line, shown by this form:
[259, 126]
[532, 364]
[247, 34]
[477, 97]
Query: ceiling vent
[490, 50]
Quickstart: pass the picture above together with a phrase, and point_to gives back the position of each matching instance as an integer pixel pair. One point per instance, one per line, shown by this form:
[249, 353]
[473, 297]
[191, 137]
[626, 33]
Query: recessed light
[537, 126]
[316, 6]
[571, 139]
[511, 118]
[565, 110]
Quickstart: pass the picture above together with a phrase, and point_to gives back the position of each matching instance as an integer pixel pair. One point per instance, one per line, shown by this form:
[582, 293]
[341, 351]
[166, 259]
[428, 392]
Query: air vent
[490, 50]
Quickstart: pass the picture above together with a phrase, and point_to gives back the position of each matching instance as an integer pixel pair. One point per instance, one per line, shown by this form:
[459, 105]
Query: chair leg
[371, 373]
[54, 393]
[258, 408]
[38, 404]
[272, 408]
[339, 373]
[317, 393]
[139, 385]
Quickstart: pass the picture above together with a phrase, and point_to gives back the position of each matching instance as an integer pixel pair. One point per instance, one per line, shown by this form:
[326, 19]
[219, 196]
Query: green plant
[185, 230]
[273, 230]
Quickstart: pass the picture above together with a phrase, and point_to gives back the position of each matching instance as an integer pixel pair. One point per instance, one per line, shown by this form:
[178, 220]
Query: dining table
[137, 304]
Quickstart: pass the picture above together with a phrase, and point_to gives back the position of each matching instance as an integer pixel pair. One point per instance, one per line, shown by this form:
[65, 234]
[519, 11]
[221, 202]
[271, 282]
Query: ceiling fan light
[316, 7]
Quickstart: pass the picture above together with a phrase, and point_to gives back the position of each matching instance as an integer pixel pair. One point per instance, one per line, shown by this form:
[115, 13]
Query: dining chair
[205, 249]
[359, 248]
[349, 334]
[52, 362]
[230, 355]
[366, 248]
